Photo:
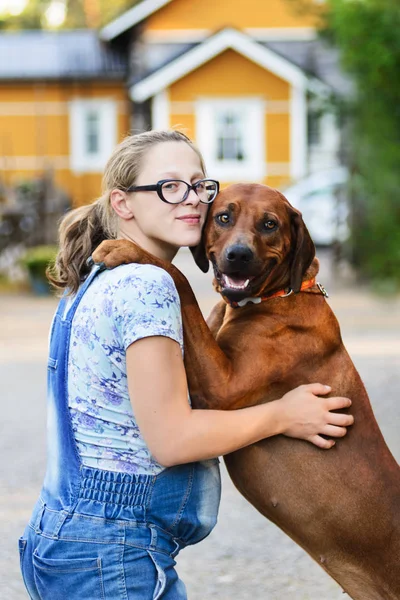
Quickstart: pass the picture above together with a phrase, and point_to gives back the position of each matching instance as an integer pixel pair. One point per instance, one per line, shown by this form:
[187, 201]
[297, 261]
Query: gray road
[246, 557]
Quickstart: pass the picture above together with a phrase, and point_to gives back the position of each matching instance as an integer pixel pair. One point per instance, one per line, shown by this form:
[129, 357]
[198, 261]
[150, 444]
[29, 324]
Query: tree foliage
[79, 14]
[367, 33]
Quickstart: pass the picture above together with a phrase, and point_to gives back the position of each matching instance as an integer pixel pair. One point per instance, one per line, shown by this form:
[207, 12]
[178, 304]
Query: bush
[36, 260]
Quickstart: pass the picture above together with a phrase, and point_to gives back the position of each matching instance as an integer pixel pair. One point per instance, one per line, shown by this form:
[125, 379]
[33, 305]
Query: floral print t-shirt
[120, 306]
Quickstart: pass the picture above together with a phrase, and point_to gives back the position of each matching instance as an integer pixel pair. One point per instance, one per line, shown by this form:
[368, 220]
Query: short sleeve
[146, 303]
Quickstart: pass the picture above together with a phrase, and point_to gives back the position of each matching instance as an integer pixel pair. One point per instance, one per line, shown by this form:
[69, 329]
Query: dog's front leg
[214, 382]
[216, 317]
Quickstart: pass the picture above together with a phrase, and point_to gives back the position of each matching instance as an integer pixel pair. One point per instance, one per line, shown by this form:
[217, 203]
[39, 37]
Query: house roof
[131, 17]
[58, 55]
[197, 55]
[316, 58]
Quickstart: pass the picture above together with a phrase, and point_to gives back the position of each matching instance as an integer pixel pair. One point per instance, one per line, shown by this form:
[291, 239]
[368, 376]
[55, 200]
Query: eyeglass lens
[175, 191]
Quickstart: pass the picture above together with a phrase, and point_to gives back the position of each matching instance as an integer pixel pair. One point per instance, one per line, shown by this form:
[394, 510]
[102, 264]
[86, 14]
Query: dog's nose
[239, 254]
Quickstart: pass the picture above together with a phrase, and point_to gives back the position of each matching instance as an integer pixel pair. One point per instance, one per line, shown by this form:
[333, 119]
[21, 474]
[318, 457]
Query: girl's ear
[118, 199]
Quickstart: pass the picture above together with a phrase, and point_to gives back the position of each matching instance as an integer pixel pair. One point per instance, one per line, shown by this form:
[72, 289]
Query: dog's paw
[113, 253]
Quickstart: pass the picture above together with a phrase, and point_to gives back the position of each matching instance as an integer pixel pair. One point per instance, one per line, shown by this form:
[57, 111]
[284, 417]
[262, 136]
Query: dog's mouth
[237, 286]
[235, 282]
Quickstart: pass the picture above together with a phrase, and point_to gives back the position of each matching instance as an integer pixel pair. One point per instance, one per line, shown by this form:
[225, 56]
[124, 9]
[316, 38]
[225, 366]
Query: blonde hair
[84, 228]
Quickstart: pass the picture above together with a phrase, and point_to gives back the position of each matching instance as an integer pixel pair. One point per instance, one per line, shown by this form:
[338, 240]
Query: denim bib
[157, 515]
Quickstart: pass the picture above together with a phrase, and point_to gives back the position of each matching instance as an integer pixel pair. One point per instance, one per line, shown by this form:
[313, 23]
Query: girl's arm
[176, 434]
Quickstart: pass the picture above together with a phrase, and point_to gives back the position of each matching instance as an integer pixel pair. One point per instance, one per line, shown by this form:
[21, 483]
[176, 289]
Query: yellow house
[237, 77]
[243, 78]
[63, 107]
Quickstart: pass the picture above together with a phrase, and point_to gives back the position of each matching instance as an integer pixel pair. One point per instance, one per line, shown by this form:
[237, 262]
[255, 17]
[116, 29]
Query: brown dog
[341, 506]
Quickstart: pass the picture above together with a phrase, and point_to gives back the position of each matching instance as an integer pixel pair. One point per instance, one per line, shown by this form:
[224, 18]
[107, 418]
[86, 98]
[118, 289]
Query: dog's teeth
[233, 284]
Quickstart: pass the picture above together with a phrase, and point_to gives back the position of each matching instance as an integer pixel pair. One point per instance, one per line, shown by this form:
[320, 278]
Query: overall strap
[71, 311]
[63, 475]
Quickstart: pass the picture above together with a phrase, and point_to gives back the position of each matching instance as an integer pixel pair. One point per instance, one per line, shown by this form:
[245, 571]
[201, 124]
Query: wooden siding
[34, 132]
[209, 14]
[232, 75]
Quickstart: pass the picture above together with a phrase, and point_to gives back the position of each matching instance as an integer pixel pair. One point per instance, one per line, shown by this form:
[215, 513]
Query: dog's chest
[239, 323]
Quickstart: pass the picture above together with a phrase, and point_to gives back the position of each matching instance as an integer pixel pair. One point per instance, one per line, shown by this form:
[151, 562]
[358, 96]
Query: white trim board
[225, 39]
[270, 34]
[47, 108]
[260, 34]
[33, 163]
[131, 17]
[175, 36]
[160, 109]
[298, 134]
[271, 107]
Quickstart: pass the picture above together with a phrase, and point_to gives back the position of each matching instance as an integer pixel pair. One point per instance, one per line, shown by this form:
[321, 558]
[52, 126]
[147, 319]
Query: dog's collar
[306, 285]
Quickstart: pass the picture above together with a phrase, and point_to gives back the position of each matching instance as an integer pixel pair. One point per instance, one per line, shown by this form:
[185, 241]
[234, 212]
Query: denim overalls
[97, 534]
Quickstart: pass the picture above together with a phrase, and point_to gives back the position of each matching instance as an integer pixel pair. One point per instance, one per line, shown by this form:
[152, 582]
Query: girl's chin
[191, 239]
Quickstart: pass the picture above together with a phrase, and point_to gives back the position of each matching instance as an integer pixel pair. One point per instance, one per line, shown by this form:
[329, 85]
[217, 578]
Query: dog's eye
[270, 224]
[223, 218]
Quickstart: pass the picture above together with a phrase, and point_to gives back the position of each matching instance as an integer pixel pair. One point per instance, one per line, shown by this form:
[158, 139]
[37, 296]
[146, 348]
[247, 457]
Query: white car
[322, 199]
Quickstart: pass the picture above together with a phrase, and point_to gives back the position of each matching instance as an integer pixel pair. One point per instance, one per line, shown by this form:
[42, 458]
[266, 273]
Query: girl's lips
[190, 219]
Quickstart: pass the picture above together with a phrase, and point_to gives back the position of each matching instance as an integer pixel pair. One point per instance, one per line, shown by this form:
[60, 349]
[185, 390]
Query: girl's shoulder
[133, 271]
[140, 277]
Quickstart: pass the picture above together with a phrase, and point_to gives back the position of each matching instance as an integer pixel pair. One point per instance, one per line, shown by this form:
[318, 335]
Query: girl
[132, 472]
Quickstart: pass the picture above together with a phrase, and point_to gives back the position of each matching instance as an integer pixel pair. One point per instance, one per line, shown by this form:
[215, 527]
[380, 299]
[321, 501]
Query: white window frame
[253, 168]
[80, 160]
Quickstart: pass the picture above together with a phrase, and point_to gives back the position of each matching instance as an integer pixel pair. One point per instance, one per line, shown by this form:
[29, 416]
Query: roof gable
[130, 18]
[213, 46]
[239, 14]
[207, 15]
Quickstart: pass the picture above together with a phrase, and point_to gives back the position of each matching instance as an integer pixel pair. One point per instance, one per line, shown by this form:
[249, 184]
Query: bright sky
[54, 15]
[12, 7]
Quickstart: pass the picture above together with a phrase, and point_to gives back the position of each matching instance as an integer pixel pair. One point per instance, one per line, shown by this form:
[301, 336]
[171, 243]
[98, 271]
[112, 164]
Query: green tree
[30, 18]
[366, 32]
[79, 14]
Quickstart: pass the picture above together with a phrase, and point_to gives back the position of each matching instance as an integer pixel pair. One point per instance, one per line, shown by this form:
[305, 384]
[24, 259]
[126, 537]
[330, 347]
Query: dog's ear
[199, 255]
[303, 250]
[199, 251]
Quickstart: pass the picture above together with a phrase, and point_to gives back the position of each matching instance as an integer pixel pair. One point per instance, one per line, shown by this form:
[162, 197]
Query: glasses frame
[157, 187]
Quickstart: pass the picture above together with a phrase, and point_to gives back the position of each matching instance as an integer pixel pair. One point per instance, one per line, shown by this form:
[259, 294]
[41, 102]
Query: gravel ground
[246, 557]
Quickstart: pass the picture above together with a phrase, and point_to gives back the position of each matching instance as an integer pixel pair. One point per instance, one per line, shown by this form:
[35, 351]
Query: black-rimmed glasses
[175, 191]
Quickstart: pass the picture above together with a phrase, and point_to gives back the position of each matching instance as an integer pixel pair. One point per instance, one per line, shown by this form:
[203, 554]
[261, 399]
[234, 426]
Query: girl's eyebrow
[174, 175]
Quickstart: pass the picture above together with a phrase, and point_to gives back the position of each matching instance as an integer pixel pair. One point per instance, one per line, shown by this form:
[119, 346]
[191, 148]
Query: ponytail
[80, 232]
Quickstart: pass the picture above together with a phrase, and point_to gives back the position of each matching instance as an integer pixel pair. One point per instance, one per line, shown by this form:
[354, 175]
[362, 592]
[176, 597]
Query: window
[93, 133]
[314, 127]
[231, 135]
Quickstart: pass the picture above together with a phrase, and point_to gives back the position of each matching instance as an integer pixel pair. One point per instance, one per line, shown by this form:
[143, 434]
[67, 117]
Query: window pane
[229, 127]
[314, 128]
[92, 132]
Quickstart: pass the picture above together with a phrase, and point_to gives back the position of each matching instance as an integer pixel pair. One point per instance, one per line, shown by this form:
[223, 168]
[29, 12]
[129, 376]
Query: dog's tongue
[236, 283]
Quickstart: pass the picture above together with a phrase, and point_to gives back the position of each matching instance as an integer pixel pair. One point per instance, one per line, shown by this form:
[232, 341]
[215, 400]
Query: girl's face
[159, 227]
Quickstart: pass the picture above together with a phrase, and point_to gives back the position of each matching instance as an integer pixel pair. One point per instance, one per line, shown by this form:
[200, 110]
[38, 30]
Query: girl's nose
[192, 198]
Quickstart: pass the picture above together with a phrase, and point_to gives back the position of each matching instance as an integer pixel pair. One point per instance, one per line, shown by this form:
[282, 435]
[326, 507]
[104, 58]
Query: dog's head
[256, 241]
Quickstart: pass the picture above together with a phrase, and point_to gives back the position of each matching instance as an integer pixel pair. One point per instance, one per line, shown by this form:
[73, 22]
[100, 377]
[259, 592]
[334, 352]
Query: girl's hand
[306, 415]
